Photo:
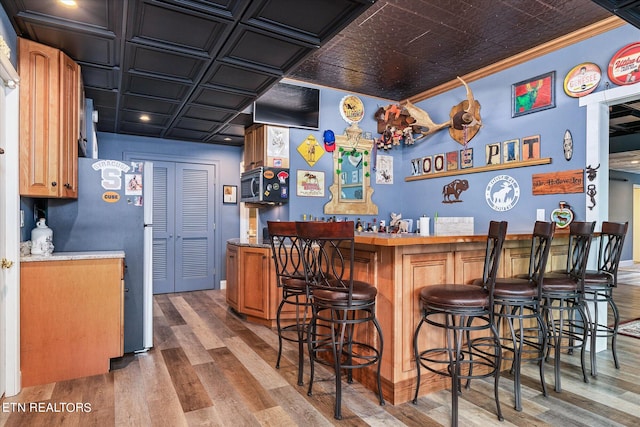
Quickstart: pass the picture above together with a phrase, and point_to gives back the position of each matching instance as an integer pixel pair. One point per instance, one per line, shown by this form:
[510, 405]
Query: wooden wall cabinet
[50, 92]
[256, 151]
[71, 318]
[255, 147]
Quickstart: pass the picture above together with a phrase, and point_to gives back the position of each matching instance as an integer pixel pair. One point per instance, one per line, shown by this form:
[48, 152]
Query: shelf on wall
[488, 168]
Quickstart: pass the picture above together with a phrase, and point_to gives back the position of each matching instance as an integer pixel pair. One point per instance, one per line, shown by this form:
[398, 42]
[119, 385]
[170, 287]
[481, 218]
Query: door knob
[6, 263]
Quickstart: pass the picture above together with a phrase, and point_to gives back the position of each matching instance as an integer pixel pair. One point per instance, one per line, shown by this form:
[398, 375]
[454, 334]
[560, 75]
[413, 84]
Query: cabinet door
[39, 67]
[249, 143]
[259, 146]
[255, 279]
[69, 126]
[233, 272]
[255, 147]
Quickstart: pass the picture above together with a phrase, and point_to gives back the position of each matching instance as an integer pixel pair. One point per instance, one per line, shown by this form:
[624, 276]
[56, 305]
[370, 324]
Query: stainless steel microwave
[265, 185]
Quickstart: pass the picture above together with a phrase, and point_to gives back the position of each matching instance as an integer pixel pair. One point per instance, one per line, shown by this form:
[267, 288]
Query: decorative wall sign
[438, 163]
[310, 150]
[623, 67]
[351, 109]
[567, 145]
[502, 193]
[309, 183]
[582, 79]
[511, 151]
[452, 160]
[427, 164]
[535, 94]
[493, 153]
[466, 158]
[562, 216]
[416, 167]
[454, 188]
[564, 182]
[531, 147]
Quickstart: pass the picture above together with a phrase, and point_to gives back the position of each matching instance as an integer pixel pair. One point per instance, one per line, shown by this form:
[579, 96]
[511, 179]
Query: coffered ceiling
[190, 66]
[194, 66]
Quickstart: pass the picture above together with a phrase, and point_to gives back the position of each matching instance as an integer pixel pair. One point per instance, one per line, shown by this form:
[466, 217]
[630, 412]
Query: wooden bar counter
[399, 265]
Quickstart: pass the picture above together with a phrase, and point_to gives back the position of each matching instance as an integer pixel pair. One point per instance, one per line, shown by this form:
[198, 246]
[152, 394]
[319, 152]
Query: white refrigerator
[114, 211]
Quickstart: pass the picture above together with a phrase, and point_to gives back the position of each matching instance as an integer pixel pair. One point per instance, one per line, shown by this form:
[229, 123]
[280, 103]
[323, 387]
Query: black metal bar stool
[516, 302]
[286, 254]
[563, 303]
[598, 287]
[344, 309]
[460, 310]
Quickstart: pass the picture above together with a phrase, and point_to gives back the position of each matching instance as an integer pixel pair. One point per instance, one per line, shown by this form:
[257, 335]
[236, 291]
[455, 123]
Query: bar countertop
[399, 239]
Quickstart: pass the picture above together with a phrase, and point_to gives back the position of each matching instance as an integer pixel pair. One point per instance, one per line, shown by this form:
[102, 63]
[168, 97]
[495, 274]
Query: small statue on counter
[397, 224]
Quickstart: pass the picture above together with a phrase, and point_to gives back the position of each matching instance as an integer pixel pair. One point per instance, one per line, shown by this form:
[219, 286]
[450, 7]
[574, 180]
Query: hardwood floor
[208, 367]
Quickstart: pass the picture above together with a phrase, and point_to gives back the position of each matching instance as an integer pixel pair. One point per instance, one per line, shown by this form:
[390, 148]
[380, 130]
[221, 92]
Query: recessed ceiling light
[144, 118]
[227, 138]
[68, 3]
[633, 162]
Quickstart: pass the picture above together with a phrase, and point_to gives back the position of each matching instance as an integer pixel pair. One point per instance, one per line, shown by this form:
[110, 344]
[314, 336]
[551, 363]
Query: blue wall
[416, 198]
[226, 159]
[386, 196]
[494, 94]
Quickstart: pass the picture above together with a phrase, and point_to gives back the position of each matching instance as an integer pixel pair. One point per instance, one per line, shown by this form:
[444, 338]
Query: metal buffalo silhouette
[454, 188]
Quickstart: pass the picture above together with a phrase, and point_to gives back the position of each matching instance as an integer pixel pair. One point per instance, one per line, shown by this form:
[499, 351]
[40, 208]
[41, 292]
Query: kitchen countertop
[72, 256]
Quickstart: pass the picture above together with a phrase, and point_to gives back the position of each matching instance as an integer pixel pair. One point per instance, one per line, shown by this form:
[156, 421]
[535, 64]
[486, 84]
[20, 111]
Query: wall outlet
[540, 216]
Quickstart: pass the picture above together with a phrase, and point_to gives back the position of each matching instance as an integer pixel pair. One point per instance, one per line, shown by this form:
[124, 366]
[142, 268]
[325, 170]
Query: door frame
[10, 247]
[597, 142]
[217, 239]
[597, 147]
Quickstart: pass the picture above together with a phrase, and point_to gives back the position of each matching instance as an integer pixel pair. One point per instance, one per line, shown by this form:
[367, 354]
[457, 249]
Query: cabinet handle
[53, 184]
[68, 186]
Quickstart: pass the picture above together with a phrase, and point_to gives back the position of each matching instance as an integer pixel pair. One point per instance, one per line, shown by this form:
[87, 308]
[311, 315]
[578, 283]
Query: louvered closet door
[194, 227]
[163, 227]
[183, 231]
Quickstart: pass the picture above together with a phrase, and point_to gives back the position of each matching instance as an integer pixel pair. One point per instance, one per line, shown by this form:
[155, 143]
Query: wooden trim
[512, 165]
[600, 27]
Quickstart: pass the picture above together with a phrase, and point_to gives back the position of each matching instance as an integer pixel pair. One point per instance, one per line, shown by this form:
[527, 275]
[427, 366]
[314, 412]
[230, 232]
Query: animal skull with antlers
[464, 119]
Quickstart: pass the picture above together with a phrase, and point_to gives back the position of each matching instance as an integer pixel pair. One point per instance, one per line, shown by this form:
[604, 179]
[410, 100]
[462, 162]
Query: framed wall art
[534, 94]
[310, 183]
[230, 194]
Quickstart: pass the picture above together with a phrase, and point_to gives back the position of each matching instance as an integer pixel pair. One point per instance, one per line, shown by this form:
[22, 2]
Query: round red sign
[624, 68]
[582, 79]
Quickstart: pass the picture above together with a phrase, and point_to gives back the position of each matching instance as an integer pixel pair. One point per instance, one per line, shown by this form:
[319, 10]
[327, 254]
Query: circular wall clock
[352, 109]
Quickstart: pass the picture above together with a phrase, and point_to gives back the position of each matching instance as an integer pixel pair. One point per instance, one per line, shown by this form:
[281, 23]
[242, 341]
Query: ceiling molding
[603, 26]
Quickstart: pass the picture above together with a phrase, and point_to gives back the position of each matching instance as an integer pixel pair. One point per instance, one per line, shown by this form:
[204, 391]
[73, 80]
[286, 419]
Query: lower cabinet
[71, 318]
[252, 289]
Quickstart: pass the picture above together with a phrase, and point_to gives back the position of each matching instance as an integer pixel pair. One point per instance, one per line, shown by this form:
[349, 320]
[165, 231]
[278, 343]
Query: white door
[9, 242]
